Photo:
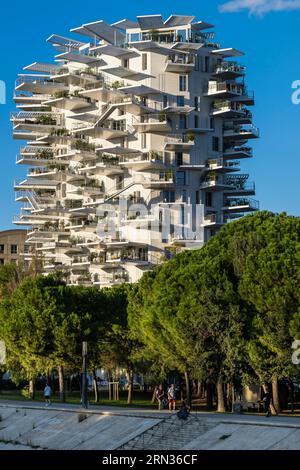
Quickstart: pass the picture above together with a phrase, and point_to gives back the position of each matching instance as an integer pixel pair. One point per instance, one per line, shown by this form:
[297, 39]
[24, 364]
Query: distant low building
[12, 246]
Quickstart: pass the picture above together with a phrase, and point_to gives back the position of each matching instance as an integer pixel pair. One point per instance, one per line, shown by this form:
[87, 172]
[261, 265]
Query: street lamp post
[84, 400]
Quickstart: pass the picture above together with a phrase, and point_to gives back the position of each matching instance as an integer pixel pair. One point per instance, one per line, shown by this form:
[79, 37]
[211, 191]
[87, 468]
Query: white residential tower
[134, 136]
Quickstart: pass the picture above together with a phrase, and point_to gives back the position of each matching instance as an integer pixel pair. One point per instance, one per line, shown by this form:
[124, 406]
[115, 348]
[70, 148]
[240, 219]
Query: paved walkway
[255, 419]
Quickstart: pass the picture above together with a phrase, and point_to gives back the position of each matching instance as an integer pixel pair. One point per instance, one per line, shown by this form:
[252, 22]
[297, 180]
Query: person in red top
[172, 397]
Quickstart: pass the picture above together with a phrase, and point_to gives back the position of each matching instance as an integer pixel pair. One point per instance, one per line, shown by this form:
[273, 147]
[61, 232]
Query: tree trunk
[199, 389]
[95, 386]
[275, 394]
[220, 394]
[130, 384]
[188, 389]
[292, 395]
[61, 384]
[154, 395]
[31, 389]
[229, 397]
[209, 396]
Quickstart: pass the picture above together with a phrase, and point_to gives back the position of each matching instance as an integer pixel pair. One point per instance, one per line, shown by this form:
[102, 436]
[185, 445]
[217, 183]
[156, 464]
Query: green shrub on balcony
[190, 136]
[84, 145]
[46, 120]
[60, 132]
[45, 154]
[117, 84]
[61, 94]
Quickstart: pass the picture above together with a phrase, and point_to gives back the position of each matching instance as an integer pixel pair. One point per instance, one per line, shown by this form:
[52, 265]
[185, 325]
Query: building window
[197, 103]
[134, 37]
[182, 83]
[212, 123]
[180, 100]
[197, 197]
[182, 121]
[167, 158]
[126, 63]
[215, 144]
[1, 248]
[181, 35]
[168, 196]
[144, 141]
[1, 261]
[208, 199]
[144, 61]
[196, 121]
[184, 197]
[165, 101]
[180, 178]
[13, 249]
[206, 64]
[178, 158]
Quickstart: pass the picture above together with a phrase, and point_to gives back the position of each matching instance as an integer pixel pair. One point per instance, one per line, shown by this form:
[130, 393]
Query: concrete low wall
[55, 429]
[28, 427]
[240, 436]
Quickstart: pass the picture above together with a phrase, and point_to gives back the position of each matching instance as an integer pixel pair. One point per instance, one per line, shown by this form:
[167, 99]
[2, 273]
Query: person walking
[160, 396]
[47, 394]
[172, 397]
[267, 404]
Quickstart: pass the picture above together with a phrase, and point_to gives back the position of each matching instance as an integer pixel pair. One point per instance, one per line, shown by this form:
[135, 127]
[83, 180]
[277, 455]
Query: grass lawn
[140, 399]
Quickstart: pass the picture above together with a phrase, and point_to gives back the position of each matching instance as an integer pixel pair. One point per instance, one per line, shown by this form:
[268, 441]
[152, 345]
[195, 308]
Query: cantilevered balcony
[224, 89]
[82, 58]
[81, 77]
[109, 130]
[37, 121]
[233, 152]
[229, 70]
[161, 180]
[213, 220]
[103, 90]
[237, 185]
[144, 162]
[34, 184]
[179, 142]
[229, 109]
[67, 101]
[19, 134]
[180, 63]
[28, 100]
[152, 123]
[240, 204]
[237, 132]
[39, 84]
[221, 165]
[40, 156]
[213, 183]
[49, 172]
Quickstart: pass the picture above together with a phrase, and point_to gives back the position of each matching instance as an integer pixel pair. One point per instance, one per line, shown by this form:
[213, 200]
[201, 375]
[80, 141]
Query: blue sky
[270, 40]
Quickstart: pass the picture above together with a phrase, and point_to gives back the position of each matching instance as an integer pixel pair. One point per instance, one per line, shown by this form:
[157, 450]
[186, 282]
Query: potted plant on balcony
[162, 116]
[61, 94]
[190, 136]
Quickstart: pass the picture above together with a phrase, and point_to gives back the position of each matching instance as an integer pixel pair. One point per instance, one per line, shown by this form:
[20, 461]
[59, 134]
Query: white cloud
[259, 7]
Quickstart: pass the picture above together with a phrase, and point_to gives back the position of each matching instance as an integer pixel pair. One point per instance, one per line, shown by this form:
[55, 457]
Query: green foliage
[229, 310]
